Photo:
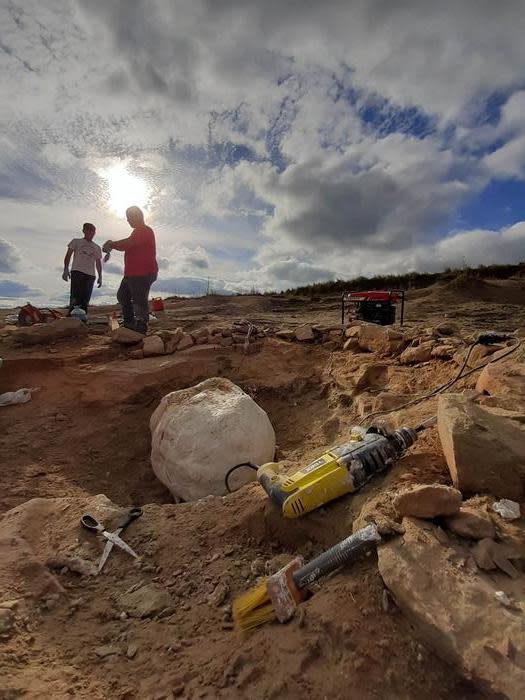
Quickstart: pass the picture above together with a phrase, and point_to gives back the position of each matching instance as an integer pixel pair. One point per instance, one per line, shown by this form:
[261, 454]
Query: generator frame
[391, 296]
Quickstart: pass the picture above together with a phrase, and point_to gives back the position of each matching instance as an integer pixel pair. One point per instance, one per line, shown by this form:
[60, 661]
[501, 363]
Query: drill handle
[337, 556]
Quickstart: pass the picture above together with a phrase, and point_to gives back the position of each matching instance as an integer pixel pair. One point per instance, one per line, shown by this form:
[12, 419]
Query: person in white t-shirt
[87, 257]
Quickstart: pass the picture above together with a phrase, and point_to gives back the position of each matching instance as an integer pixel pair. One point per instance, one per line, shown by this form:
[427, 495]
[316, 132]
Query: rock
[420, 353]
[136, 355]
[352, 344]
[153, 346]
[42, 333]
[456, 614]
[380, 339]
[490, 555]
[443, 352]
[446, 328]
[199, 433]
[372, 376]
[238, 338]
[10, 604]
[304, 333]
[285, 334]
[504, 378]
[7, 621]
[146, 601]
[479, 355]
[428, 501]
[252, 348]
[485, 453]
[125, 336]
[131, 651]
[185, 342]
[107, 650]
[226, 341]
[470, 524]
[200, 333]
[218, 596]
[353, 330]
[171, 340]
[508, 510]
[75, 564]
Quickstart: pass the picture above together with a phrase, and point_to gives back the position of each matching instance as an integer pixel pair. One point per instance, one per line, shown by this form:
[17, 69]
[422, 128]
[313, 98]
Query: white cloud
[245, 119]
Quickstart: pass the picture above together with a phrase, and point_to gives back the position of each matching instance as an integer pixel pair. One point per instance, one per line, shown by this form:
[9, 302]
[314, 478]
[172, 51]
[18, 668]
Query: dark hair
[88, 227]
[135, 212]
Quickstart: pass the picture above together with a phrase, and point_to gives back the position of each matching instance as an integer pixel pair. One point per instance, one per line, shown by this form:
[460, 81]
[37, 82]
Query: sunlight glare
[125, 190]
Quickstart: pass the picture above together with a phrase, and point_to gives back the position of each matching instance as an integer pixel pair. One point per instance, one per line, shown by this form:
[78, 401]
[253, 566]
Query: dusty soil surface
[86, 432]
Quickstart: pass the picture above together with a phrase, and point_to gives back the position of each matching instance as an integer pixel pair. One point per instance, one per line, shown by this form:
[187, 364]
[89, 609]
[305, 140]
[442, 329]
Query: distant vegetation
[410, 280]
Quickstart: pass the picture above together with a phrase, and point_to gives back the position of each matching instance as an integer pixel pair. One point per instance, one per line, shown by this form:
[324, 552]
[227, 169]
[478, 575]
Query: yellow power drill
[338, 471]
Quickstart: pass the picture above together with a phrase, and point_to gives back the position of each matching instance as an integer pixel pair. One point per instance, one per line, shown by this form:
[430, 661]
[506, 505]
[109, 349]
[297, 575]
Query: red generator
[375, 307]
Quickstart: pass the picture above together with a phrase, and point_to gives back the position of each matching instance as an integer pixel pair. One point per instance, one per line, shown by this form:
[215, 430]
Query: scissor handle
[128, 517]
[91, 523]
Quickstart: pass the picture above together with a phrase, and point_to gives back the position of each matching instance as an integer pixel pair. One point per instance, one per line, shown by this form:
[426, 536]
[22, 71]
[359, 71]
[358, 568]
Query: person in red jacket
[140, 270]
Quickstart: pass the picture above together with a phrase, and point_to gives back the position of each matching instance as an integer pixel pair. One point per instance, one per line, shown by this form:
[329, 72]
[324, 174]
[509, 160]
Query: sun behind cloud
[125, 189]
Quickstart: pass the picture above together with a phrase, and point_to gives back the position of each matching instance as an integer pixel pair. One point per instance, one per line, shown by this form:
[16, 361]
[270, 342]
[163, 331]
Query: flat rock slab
[455, 609]
[485, 453]
[43, 333]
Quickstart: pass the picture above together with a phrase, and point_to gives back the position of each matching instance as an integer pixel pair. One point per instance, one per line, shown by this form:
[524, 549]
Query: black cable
[447, 385]
[237, 466]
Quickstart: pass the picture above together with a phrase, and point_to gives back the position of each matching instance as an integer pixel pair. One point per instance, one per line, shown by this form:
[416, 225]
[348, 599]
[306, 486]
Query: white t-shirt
[85, 254]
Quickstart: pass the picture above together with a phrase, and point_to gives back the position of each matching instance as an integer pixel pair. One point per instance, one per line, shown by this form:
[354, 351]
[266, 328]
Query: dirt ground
[86, 433]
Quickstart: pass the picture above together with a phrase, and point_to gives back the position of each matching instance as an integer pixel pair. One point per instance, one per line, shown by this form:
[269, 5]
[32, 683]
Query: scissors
[91, 523]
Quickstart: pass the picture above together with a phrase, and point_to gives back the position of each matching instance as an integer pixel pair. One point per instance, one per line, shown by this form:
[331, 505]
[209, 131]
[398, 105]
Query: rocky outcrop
[455, 609]
[428, 501]
[485, 453]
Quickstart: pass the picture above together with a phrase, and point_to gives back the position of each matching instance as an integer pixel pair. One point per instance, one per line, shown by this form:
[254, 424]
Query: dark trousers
[133, 295]
[81, 290]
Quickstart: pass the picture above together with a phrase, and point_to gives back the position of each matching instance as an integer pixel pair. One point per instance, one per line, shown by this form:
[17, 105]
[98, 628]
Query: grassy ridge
[410, 280]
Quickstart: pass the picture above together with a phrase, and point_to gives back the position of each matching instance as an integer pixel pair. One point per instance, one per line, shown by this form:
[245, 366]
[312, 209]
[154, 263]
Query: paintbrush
[277, 597]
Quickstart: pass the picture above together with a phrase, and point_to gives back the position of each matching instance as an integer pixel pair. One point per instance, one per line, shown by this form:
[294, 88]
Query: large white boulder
[199, 433]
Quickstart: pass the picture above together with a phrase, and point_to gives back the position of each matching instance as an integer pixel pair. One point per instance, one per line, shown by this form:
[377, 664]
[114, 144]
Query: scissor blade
[115, 539]
[105, 555]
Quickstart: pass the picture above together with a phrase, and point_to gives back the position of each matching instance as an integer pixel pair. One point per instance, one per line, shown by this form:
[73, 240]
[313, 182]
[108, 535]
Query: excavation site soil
[161, 626]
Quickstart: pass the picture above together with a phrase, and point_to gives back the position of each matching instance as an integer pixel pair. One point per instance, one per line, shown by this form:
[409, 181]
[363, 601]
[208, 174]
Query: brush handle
[336, 556]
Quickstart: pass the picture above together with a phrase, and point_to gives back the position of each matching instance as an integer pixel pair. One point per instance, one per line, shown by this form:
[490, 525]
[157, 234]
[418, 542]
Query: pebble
[131, 651]
[123, 615]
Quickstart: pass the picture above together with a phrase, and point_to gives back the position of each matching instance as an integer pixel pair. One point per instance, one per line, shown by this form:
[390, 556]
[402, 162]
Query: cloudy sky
[272, 142]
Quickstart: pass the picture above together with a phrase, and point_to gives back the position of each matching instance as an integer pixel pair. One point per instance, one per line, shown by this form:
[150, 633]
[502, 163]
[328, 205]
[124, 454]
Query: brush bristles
[253, 608]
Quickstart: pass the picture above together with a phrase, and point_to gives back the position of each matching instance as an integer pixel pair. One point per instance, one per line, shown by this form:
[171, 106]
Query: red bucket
[156, 304]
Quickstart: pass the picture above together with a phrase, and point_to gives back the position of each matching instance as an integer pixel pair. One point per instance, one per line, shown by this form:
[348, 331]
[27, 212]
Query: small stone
[7, 621]
[107, 650]
[218, 596]
[428, 501]
[304, 333]
[185, 342]
[131, 651]
[470, 524]
[509, 510]
[11, 604]
[126, 336]
[226, 341]
[146, 601]
[123, 615]
[285, 334]
[136, 355]
[153, 346]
